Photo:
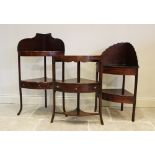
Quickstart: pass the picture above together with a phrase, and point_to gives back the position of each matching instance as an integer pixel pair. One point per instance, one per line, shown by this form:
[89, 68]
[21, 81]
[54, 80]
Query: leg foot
[133, 113]
[95, 109]
[53, 109]
[52, 118]
[100, 110]
[63, 102]
[45, 98]
[19, 111]
[121, 106]
[21, 102]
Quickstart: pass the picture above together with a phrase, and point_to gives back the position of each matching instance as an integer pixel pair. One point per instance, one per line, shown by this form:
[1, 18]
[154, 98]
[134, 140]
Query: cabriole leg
[21, 101]
[100, 109]
[53, 109]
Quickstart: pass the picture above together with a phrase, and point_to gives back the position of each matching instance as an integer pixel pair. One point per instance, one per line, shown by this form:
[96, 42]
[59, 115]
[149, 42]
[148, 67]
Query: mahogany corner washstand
[41, 45]
[120, 59]
[77, 85]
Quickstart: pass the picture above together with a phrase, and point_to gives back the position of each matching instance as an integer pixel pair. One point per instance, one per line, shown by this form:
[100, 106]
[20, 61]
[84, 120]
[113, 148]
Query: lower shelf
[115, 95]
[78, 113]
[37, 83]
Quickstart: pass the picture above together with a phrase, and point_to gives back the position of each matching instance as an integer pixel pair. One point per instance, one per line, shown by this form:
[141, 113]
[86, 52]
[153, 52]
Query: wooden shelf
[115, 95]
[78, 113]
[37, 83]
[74, 80]
[72, 86]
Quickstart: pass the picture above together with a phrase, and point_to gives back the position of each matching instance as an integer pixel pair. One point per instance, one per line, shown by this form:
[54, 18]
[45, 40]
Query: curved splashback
[120, 54]
[41, 42]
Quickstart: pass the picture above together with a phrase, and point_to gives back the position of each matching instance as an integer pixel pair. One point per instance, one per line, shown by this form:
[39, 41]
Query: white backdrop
[78, 39]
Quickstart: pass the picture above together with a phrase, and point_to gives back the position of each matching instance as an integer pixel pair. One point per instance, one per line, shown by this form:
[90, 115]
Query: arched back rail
[41, 45]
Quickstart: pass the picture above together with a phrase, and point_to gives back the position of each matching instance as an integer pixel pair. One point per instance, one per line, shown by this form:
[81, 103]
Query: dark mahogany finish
[120, 59]
[41, 45]
[78, 85]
